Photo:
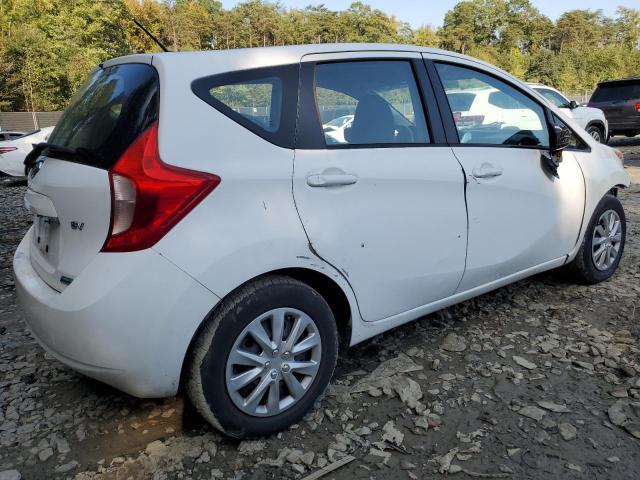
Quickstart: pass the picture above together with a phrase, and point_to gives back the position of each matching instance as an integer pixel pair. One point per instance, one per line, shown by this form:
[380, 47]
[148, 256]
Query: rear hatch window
[107, 114]
[616, 92]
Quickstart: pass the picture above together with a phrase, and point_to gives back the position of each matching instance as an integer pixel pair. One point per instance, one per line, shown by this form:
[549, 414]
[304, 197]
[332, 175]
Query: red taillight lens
[7, 149]
[148, 197]
[638, 107]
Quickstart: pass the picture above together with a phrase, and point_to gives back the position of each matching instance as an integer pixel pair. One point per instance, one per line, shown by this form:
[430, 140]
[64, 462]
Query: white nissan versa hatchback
[192, 220]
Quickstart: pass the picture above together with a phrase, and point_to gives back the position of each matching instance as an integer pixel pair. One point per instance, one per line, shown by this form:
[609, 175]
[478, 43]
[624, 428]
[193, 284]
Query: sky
[423, 12]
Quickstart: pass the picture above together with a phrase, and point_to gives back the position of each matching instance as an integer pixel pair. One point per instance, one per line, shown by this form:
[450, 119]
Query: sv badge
[77, 225]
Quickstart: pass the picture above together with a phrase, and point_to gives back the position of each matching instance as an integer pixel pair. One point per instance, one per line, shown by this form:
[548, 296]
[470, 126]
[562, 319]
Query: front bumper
[126, 320]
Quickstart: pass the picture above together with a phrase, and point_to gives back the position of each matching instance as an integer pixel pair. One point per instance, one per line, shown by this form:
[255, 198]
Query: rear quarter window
[263, 100]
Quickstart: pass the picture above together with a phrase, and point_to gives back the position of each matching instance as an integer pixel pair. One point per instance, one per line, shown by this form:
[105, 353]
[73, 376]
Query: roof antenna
[150, 34]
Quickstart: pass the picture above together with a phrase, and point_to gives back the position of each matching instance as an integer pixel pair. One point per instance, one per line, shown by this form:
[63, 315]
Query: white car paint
[11, 163]
[582, 115]
[395, 243]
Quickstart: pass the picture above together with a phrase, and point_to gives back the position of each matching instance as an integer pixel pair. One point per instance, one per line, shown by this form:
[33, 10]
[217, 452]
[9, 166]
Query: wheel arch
[600, 124]
[328, 288]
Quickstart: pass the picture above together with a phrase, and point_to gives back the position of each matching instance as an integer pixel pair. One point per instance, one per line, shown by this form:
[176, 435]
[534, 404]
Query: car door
[521, 217]
[384, 204]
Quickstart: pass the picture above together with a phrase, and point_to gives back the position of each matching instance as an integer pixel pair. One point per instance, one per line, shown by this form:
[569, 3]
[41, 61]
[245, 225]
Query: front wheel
[603, 243]
[596, 133]
[263, 358]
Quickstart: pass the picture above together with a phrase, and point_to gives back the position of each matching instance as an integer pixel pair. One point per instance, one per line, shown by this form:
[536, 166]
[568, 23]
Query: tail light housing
[637, 106]
[149, 197]
[7, 149]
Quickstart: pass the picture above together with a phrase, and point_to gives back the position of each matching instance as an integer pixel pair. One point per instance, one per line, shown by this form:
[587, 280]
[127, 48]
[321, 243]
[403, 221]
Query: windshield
[108, 113]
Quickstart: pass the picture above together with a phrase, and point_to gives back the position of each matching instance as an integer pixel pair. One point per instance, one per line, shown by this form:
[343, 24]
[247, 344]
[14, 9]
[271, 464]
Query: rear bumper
[126, 320]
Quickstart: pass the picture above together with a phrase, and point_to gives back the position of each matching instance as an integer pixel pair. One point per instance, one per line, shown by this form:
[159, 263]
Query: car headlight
[620, 155]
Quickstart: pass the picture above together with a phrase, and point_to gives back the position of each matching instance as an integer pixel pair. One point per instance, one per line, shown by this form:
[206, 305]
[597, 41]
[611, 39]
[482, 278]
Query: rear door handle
[331, 179]
[486, 171]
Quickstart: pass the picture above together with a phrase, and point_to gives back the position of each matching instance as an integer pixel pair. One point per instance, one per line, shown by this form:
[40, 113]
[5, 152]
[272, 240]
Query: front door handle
[331, 179]
[486, 170]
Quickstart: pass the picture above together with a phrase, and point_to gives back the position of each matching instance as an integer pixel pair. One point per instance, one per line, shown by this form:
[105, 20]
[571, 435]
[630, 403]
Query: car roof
[286, 54]
[620, 81]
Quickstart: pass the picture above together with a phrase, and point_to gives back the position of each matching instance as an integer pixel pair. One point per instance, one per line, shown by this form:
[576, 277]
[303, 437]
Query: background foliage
[47, 47]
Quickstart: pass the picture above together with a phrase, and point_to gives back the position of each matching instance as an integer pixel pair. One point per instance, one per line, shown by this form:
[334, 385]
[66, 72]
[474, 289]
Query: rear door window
[370, 103]
[263, 100]
[114, 106]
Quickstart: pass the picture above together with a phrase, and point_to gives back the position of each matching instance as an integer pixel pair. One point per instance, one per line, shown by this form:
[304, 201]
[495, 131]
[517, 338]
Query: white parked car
[13, 152]
[589, 118]
[334, 128]
[175, 237]
[10, 134]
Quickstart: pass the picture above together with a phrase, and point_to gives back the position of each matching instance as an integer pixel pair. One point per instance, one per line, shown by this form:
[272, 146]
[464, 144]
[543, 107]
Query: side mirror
[559, 139]
[573, 105]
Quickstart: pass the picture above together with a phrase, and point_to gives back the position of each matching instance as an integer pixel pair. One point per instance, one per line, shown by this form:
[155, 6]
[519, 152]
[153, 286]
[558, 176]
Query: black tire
[583, 268]
[206, 382]
[596, 131]
[630, 134]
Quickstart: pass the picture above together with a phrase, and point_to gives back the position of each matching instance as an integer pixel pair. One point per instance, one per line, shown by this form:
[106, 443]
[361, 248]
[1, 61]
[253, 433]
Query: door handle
[331, 179]
[486, 171]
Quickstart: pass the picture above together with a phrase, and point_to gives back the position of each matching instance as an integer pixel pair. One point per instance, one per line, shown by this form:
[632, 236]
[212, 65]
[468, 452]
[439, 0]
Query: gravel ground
[540, 379]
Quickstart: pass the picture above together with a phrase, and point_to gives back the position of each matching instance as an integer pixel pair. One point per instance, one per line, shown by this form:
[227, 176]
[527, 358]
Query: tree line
[47, 47]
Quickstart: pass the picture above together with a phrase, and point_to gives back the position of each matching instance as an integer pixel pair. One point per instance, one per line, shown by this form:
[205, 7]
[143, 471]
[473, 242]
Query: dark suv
[620, 102]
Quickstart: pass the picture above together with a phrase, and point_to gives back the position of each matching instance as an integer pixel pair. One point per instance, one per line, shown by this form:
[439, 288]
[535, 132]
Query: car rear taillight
[149, 197]
[637, 106]
[7, 149]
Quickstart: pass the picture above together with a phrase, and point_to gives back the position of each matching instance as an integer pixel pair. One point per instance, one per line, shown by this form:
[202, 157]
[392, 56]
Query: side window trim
[284, 136]
[451, 132]
[309, 127]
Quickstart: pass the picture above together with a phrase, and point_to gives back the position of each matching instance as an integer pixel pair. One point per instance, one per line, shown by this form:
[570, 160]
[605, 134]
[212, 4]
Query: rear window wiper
[30, 160]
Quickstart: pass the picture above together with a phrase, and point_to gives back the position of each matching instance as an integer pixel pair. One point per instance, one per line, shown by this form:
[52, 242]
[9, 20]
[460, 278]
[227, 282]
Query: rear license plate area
[42, 229]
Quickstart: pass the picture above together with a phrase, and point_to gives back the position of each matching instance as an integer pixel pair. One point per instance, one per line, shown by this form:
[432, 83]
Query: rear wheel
[630, 134]
[263, 358]
[596, 132]
[603, 243]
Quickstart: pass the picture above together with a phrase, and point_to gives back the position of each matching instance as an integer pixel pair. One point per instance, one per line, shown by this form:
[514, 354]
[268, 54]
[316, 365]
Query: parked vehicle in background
[620, 102]
[10, 135]
[591, 119]
[226, 238]
[13, 152]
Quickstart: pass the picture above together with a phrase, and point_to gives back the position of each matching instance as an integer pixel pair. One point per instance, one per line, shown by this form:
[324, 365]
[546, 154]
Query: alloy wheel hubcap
[595, 134]
[273, 362]
[607, 237]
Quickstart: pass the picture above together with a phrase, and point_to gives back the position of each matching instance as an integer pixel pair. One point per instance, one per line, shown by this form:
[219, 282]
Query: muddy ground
[537, 380]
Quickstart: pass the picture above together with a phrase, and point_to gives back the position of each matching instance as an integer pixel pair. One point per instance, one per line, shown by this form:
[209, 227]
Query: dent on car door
[382, 202]
[520, 215]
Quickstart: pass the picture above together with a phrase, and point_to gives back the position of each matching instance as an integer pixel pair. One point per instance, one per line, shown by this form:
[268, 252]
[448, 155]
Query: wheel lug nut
[268, 364]
[274, 374]
[285, 367]
[275, 352]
